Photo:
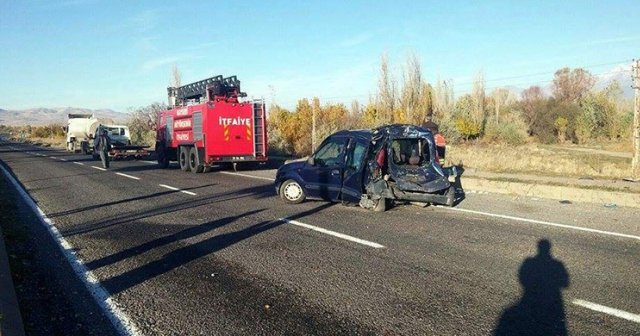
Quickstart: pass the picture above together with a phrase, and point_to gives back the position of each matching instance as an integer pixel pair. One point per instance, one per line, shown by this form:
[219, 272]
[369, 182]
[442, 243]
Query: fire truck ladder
[258, 133]
[207, 89]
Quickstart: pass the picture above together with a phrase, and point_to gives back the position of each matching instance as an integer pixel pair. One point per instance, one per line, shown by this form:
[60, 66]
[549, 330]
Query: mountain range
[57, 115]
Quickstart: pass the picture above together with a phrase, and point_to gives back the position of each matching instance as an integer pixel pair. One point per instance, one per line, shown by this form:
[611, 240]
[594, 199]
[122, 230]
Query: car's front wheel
[291, 192]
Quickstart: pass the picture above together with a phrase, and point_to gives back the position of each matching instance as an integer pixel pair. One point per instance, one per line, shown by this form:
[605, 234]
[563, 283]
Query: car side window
[356, 156]
[329, 154]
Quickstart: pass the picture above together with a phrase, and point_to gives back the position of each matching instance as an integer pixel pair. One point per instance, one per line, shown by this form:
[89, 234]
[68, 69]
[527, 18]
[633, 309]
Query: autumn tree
[443, 100]
[387, 93]
[142, 123]
[501, 99]
[479, 102]
[532, 103]
[571, 85]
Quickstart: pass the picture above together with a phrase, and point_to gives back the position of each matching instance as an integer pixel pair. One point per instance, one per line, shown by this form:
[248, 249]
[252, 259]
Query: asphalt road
[191, 254]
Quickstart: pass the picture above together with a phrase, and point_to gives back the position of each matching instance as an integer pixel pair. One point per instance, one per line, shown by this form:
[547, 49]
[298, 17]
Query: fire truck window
[330, 153]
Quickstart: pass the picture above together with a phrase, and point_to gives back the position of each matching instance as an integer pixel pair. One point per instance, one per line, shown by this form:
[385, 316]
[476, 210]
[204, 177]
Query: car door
[323, 178]
[354, 169]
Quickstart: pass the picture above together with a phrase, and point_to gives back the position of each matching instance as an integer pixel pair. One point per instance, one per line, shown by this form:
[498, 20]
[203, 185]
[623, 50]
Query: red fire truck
[208, 124]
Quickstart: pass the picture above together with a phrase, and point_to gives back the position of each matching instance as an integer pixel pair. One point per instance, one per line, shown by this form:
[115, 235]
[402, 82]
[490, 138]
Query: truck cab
[372, 168]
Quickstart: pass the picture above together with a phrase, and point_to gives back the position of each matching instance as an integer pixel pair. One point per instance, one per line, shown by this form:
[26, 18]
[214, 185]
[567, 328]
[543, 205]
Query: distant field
[538, 159]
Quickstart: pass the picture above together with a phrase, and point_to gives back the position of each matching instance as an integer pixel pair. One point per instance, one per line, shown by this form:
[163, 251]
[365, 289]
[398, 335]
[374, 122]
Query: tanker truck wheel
[194, 161]
[183, 158]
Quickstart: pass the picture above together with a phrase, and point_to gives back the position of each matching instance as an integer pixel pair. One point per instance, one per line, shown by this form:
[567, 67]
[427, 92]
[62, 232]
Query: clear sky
[119, 54]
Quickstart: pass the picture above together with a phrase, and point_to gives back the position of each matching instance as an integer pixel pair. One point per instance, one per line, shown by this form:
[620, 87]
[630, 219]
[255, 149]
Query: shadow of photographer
[540, 310]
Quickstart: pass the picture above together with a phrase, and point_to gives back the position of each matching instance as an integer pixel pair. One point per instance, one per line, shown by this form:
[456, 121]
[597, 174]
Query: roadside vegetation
[492, 130]
[50, 135]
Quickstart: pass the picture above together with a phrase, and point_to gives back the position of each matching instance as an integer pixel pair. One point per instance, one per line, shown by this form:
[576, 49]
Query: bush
[511, 132]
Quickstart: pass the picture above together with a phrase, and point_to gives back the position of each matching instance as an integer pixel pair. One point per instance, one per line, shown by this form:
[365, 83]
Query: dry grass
[539, 160]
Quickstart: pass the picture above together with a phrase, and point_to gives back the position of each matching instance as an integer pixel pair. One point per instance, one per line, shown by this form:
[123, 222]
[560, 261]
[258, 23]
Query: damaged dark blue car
[372, 168]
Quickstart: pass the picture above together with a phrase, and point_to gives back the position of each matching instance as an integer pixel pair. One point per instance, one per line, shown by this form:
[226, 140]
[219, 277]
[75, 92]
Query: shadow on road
[262, 191]
[186, 254]
[540, 311]
[181, 235]
[126, 200]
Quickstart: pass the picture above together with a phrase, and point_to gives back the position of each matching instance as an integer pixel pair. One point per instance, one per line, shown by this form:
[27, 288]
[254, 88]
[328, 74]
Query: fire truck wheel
[194, 161]
[183, 158]
[291, 192]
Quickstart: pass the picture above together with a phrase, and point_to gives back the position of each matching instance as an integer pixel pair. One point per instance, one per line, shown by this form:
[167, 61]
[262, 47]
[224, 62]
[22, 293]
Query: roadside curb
[119, 320]
[10, 318]
[552, 192]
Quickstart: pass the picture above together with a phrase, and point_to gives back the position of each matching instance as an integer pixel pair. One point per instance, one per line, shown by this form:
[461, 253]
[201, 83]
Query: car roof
[364, 134]
[393, 130]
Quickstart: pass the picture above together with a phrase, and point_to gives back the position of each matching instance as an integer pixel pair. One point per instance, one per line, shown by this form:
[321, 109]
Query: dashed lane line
[333, 233]
[128, 176]
[178, 189]
[608, 310]
[78, 163]
[98, 168]
[534, 221]
[250, 176]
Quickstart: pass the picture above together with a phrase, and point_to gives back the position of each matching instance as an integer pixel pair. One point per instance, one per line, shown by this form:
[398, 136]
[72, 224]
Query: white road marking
[250, 176]
[78, 163]
[99, 168]
[53, 157]
[177, 189]
[118, 318]
[333, 233]
[608, 310]
[129, 176]
[534, 221]
[62, 159]
[149, 161]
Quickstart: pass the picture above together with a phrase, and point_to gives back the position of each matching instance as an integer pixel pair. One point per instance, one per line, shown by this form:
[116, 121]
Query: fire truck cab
[208, 124]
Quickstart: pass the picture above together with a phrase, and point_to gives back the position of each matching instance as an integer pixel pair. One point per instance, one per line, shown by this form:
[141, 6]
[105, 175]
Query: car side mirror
[311, 161]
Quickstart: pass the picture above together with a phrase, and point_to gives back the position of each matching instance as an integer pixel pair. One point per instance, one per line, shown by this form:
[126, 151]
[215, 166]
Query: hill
[57, 115]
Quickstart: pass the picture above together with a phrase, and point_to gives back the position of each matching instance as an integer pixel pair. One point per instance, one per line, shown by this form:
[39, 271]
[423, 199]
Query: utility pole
[313, 126]
[635, 163]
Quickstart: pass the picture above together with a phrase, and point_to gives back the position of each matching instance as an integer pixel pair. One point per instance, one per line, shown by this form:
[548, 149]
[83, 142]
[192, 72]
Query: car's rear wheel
[381, 205]
[291, 192]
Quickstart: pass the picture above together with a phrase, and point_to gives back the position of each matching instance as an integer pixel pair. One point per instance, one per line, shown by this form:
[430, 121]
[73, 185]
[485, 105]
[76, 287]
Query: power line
[544, 73]
[462, 91]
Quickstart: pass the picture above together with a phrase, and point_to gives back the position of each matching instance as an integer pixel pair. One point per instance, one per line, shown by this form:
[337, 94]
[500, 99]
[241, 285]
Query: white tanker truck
[82, 130]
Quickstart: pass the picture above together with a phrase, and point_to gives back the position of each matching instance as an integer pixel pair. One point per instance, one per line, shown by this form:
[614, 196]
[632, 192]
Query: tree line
[574, 111]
